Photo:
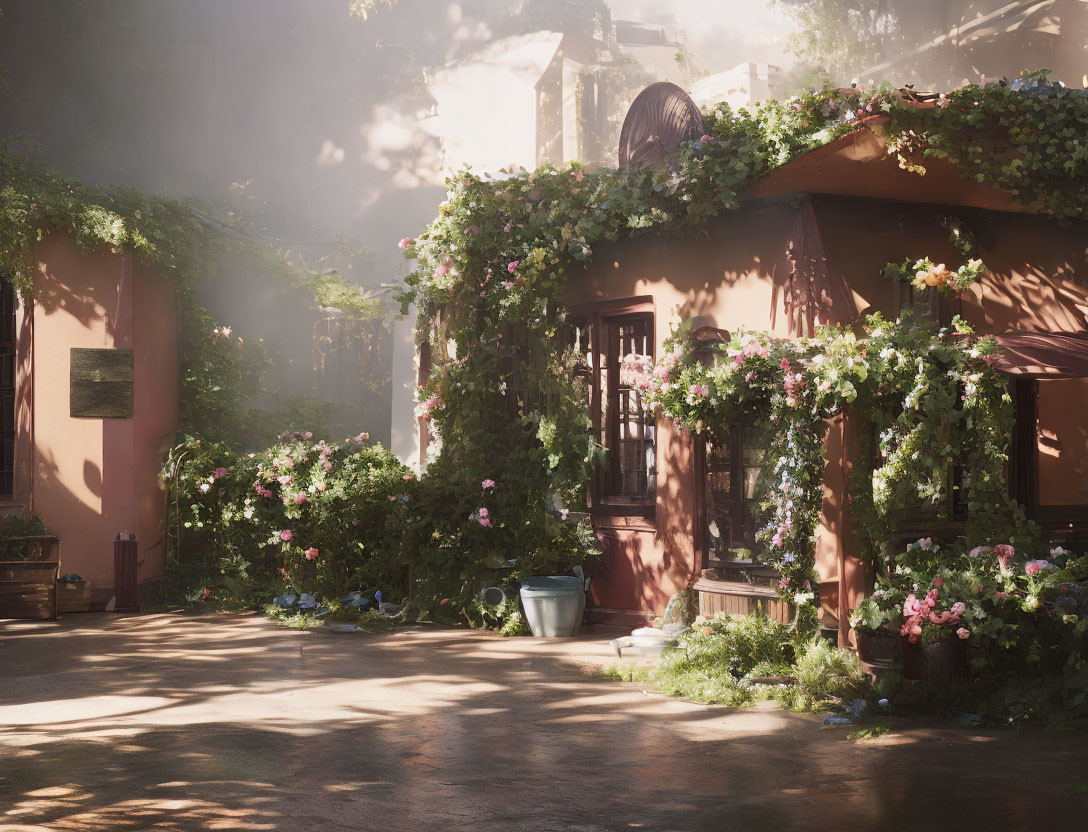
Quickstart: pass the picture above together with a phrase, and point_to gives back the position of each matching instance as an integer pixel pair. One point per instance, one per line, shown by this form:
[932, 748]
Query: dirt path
[231, 723]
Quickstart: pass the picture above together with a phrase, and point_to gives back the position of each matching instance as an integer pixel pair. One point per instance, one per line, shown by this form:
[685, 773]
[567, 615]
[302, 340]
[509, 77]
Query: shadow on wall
[729, 271]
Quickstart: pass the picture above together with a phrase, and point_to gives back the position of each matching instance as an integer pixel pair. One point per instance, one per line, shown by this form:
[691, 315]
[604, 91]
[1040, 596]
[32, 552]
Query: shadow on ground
[230, 723]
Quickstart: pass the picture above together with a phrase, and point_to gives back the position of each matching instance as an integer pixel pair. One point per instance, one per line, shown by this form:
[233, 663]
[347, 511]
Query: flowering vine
[491, 273]
[930, 395]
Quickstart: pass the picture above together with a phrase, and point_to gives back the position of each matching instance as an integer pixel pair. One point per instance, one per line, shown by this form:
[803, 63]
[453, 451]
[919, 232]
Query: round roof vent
[660, 118]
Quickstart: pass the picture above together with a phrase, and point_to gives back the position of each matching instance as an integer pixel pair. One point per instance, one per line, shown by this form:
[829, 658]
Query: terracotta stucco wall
[93, 478]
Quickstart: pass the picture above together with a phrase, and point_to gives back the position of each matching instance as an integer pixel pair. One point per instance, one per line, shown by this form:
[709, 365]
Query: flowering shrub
[305, 512]
[1026, 619]
[324, 519]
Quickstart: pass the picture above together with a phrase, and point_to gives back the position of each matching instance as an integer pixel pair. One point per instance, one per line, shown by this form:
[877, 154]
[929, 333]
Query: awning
[1043, 354]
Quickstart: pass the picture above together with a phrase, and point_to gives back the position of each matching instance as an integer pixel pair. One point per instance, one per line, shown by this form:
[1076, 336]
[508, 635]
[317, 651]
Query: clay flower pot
[881, 649]
[937, 662]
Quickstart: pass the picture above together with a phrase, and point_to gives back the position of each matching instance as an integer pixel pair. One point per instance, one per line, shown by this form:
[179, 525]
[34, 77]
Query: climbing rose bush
[303, 512]
[311, 516]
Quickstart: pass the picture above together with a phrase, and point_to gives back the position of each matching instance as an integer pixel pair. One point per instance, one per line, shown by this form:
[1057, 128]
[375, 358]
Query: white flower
[204, 487]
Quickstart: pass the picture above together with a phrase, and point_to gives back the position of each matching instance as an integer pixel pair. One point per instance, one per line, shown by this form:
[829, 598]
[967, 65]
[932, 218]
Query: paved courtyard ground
[170, 722]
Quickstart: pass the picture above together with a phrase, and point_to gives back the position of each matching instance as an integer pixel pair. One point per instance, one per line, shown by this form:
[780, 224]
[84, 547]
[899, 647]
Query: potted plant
[876, 622]
[934, 639]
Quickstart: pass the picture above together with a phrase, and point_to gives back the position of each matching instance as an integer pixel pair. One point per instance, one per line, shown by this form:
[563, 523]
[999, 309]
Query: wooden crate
[28, 589]
[740, 599]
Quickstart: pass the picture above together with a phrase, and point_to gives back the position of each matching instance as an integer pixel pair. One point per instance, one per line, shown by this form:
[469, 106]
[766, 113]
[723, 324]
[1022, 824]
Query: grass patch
[869, 733]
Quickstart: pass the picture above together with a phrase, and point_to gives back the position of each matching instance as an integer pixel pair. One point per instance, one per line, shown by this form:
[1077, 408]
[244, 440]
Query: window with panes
[622, 419]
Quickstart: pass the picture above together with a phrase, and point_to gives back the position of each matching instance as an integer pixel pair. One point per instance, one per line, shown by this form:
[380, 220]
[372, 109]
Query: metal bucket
[554, 605]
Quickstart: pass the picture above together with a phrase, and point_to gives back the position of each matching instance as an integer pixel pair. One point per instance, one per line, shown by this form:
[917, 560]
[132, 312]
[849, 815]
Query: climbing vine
[492, 269]
[929, 396]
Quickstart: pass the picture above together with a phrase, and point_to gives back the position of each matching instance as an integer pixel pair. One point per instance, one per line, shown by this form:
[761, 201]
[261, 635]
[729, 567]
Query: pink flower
[327, 465]
[286, 535]
[486, 484]
[404, 243]
[442, 269]
[219, 472]
[939, 582]
[483, 512]
[443, 602]
[284, 480]
[300, 498]
[958, 608]
[506, 284]
[979, 550]
[321, 486]
[512, 266]
[311, 553]
[1004, 550]
[1034, 567]
[705, 138]
[1000, 596]
[483, 521]
[204, 595]
[963, 633]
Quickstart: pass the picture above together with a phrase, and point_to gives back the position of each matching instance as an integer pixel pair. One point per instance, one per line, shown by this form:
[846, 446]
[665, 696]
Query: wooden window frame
[738, 512]
[600, 318]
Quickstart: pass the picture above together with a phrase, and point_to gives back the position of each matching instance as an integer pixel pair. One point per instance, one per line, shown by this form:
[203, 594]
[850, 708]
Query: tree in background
[838, 38]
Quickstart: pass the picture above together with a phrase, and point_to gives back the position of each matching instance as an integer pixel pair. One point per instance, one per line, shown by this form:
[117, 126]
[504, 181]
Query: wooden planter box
[28, 589]
[73, 596]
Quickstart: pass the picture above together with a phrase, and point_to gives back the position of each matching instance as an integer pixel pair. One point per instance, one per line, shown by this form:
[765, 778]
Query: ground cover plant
[741, 660]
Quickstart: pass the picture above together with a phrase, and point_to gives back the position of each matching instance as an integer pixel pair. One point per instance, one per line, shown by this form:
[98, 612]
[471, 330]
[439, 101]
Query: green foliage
[842, 37]
[736, 661]
[309, 516]
[313, 515]
[871, 733]
[492, 269]
[1026, 137]
[822, 672]
[13, 527]
[928, 396]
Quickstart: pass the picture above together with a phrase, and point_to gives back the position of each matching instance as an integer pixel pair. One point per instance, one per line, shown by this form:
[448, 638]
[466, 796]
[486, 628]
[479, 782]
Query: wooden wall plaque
[101, 384]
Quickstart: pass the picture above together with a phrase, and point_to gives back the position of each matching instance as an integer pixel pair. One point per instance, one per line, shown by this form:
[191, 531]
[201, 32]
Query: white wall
[404, 432]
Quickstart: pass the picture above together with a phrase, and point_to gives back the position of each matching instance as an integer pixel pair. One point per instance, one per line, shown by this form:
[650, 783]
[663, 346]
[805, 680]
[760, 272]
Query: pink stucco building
[72, 448]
